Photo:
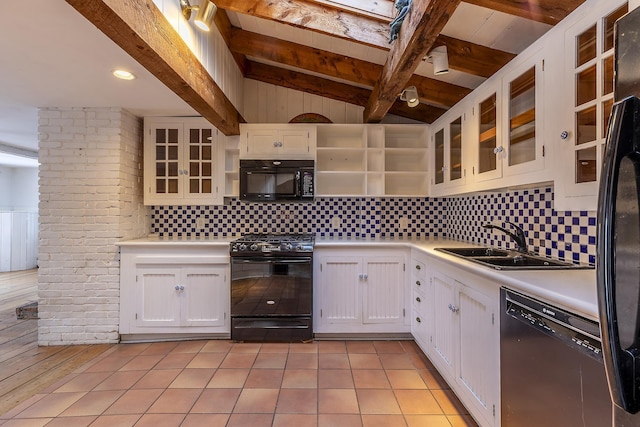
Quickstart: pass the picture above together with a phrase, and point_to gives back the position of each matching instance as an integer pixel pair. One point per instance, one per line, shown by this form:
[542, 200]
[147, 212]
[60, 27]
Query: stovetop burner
[273, 244]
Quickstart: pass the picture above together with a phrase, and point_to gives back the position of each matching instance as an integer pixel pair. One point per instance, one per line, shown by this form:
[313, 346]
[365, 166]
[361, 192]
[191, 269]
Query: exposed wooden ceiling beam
[419, 31]
[547, 11]
[141, 30]
[463, 56]
[365, 73]
[334, 90]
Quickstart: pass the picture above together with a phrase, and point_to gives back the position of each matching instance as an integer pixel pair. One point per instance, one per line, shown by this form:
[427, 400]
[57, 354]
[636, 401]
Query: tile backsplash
[568, 235]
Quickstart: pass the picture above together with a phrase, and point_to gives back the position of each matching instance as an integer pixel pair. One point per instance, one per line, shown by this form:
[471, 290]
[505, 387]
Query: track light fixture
[410, 96]
[440, 60]
[204, 16]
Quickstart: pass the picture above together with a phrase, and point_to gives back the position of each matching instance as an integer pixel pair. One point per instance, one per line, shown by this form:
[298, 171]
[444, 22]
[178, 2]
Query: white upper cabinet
[181, 162]
[589, 72]
[283, 141]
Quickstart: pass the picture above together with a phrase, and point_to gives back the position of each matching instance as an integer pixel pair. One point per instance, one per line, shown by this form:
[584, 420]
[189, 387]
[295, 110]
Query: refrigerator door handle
[617, 260]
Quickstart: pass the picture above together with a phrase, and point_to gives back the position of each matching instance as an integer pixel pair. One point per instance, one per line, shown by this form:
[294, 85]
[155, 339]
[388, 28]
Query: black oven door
[271, 298]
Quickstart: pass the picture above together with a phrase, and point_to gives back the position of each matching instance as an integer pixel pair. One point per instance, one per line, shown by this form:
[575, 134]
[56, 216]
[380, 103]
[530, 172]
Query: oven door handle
[273, 261]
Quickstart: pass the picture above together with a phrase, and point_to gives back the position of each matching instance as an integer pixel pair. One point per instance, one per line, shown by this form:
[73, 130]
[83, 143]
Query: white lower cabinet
[360, 291]
[464, 337]
[163, 294]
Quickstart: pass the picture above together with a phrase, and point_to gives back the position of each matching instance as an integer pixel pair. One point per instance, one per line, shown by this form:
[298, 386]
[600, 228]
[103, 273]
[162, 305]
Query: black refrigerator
[618, 239]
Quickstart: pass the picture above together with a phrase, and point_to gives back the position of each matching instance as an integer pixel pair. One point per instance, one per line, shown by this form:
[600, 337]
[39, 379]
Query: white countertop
[574, 290]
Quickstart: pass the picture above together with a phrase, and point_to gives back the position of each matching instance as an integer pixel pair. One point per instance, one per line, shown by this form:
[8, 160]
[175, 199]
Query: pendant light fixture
[205, 13]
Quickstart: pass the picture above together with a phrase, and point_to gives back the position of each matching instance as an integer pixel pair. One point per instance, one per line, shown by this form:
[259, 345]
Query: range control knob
[242, 247]
[287, 247]
[254, 247]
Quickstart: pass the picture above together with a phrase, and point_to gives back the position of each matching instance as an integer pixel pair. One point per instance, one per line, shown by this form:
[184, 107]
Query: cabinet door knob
[418, 299]
[418, 267]
[418, 320]
[418, 283]
[498, 150]
[182, 288]
[177, 288]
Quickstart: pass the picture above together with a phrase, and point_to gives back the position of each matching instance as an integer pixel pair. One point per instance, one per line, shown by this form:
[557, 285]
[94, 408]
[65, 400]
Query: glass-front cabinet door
[448, 154]
[439, 169]
[591, 72]
[489, 152]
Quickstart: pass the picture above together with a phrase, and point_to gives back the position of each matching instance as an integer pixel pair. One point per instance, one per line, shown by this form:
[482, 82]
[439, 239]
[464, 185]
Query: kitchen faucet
[518, 237]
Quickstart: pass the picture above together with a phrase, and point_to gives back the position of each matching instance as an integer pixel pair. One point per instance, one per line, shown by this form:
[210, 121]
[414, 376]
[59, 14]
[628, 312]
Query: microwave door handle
[298, 184]
[619, 182]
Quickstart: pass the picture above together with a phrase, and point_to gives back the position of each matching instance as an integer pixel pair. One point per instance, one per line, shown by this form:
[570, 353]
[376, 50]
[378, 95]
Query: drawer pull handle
[418, 283]
[418, 299]
[418, 267]
[418, 320]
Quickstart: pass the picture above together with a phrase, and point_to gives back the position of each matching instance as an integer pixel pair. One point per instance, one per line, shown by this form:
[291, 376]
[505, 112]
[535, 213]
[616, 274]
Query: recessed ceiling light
[124, 74]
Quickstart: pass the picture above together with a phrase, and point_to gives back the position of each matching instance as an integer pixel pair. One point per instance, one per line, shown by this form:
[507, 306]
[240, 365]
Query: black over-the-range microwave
[276, 180]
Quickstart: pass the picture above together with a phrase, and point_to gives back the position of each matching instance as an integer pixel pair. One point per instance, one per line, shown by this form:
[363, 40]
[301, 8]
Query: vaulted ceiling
[337, 49]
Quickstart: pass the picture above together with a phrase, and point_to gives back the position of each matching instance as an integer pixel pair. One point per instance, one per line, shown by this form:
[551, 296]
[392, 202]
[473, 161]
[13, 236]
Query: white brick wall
[90, 198]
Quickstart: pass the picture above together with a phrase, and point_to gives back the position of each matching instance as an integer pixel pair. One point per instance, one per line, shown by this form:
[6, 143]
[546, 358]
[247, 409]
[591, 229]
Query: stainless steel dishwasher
[551, 368]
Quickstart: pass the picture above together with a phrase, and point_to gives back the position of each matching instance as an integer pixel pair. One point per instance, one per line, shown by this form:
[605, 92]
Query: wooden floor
[26, 368]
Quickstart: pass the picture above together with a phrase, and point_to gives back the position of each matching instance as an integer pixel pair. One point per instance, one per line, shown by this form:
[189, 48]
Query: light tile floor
[222, 383]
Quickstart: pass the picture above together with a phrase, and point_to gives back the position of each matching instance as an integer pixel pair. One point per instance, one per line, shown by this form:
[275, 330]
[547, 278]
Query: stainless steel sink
[509, 260]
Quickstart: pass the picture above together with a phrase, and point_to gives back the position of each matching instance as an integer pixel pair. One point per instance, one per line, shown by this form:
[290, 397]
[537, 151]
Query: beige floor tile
[116, 420]
[449, 402]
[160, 420]
[332, 347]
[257, 401]
[360, 347]
[206, 360]
[238, 360]
[228, 378]
[297, 401]
[160, 348]
[388, 347]
[270, 360]
[300, 378]
[193, 378]
[364, 361]
[333, 361]
[205, 420]
[383, 421]
[140, 363]
[134, 402]
[461, 421]
[51, 405]
[396, 361]
[294, 420]
[302, 361]
[245, 347]
[370, 378]
[121, 380]
[264, 378]
[405, 379]
[156, 379]
[83, 382]
[339, 420]
[71, 421]
[377, 402]
[337, 401]
[253, 420]
[335, 378]
[189, 346]
[175, 360]
[217, 346]
[216, 400]
[275, 347]
[93, 403]
[418, 402]
[175, 401]
[427, 420]
[306, 347]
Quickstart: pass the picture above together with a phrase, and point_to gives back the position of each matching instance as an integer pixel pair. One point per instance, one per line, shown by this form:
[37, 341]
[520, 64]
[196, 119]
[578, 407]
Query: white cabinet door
[158, 299]
[270, 142]
[181, 162]
[205, 297]
[383, 297]
[478, 367]
[340, 290]
[445, 327]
